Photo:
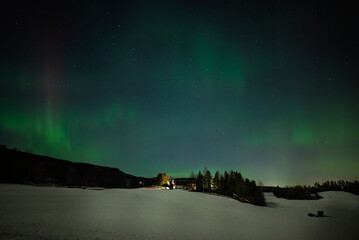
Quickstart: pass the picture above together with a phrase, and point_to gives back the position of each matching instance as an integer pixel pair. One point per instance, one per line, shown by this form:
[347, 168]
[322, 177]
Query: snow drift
[28, 212]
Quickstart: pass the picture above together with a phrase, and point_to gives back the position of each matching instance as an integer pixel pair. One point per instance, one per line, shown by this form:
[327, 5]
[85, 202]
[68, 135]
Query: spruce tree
[199, 182]
[207, 180]
[217, 180]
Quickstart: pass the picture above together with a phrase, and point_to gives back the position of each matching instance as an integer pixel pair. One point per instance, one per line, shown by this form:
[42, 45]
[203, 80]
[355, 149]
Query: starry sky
[267, 88]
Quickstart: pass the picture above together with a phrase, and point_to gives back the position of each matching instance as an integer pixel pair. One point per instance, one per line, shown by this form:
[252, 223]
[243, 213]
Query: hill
[28, 168]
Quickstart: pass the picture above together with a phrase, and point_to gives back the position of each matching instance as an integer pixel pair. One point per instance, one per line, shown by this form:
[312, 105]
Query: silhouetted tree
[236, 183]
[207, 180]
[217, 180]
[225, 184]
[199, 182]
[192, 178]
[231, 184]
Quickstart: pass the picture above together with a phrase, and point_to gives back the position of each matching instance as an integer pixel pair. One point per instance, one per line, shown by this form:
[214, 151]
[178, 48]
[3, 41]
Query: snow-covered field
[28, 212]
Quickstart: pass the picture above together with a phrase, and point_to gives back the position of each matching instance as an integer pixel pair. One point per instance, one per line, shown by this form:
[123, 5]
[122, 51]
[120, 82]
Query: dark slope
[21, 167]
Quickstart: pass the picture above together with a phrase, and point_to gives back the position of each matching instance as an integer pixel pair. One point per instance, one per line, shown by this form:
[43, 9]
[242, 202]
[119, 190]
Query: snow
[29, 212]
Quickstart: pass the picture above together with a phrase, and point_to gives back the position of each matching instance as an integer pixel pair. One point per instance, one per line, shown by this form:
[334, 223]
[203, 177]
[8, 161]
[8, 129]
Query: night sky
[267, 88]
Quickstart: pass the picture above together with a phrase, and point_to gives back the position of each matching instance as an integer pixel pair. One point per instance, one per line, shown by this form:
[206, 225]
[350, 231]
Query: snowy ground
[28, 212]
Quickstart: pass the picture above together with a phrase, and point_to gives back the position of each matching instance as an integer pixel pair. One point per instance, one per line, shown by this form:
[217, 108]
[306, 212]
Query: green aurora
[266, 88]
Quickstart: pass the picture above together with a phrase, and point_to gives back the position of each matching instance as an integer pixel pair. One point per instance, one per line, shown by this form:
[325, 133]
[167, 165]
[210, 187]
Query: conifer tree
[217, 180]
[199, 182]
[207, 180]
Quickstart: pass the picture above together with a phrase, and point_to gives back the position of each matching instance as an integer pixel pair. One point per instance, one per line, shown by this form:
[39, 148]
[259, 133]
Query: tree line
[341, 185]
[311, 192]
[230, 183]
[297, 192]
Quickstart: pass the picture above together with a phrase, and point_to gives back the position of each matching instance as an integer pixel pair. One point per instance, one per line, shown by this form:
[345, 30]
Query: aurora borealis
[267, 88]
